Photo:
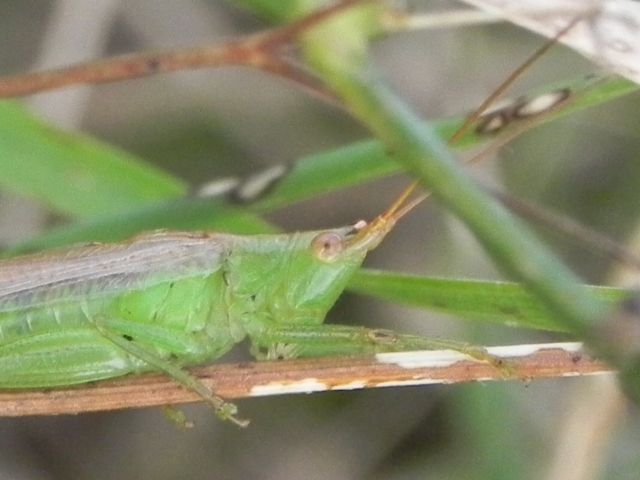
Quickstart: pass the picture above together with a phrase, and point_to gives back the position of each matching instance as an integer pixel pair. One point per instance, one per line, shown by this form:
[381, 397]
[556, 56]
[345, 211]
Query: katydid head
[362, 237]
[290, 278]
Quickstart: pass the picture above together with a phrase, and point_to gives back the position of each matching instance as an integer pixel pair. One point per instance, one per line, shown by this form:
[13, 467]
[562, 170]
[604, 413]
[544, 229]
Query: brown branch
[525, 362]
[261, 51]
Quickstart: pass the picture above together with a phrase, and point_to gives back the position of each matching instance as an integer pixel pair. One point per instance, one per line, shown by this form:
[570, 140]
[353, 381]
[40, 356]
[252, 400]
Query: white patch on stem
[423, 358]
[254, 186]
[446, 358]
[218, 187]
[511, 351]
[307, 385]
[541, 103]
[354, 385]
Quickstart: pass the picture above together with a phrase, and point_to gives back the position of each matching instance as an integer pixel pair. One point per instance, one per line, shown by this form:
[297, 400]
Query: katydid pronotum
[167, 300]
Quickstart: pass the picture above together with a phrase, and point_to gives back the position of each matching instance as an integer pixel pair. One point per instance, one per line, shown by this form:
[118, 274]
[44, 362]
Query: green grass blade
[180, 214]
[368, 160]
[328, 172]
[74, 174]
[506, 303]
[311, 176]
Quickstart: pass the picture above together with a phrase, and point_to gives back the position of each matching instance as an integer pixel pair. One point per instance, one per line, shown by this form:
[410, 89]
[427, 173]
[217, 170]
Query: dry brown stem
[292, 376]
[263, 51]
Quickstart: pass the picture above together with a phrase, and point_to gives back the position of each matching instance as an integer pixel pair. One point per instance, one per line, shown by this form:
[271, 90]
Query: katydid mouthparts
[164, 301]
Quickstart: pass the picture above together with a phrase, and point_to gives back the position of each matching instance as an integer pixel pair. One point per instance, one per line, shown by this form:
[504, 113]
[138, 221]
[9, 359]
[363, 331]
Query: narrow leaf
[507, 303]
[74, 174]
[311, 176]
[179, 214]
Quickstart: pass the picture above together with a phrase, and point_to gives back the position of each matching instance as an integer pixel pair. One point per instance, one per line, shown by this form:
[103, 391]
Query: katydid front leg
[295, 340]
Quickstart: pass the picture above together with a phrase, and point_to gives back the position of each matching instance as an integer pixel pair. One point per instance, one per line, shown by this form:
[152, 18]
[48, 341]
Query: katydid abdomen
[61, 344]
[50, 329]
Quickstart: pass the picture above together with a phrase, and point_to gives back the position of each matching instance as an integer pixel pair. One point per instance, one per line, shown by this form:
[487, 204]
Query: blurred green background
[208, 124]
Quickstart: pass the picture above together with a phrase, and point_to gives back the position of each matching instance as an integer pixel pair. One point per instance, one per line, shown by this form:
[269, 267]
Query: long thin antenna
[475, 115]
[509, 81]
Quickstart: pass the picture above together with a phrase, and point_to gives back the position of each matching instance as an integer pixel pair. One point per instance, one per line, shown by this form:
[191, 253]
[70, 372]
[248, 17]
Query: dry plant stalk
[263, 50]
[253, 379]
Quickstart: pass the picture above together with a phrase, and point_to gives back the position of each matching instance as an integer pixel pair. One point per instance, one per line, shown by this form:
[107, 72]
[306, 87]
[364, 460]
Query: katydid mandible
[164, 300]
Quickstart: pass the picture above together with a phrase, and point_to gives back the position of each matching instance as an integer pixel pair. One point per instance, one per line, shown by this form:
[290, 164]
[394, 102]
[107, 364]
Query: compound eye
[327, 246]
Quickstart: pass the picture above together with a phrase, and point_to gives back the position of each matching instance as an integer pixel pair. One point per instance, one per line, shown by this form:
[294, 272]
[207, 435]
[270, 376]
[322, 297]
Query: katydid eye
[327, 245]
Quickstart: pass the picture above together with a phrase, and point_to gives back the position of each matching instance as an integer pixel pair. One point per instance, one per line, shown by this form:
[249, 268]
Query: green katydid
[166, 300]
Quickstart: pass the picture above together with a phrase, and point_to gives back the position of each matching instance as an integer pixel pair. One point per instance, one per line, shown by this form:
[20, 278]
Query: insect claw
[241, 422]
[177, 417]
[228, 411]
